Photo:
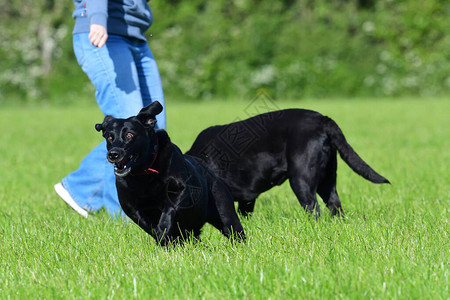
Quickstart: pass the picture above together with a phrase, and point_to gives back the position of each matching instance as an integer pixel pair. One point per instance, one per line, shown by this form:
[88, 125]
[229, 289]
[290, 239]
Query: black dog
[168, 194]
[256, 154]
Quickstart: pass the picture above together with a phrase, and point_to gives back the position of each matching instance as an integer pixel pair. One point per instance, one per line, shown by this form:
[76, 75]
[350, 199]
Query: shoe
[64, 194]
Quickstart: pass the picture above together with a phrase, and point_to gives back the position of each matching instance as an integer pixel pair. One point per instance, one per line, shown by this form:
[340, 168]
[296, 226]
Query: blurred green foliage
[223, 48]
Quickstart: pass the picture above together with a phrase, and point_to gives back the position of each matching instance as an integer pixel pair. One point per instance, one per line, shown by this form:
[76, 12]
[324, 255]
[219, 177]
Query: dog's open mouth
[123, 167]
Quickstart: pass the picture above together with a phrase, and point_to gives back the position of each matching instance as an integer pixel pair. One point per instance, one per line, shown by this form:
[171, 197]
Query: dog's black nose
[113, 155]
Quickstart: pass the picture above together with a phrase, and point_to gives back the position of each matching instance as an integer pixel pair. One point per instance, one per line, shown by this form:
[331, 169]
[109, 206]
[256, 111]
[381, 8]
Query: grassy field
[393, 244]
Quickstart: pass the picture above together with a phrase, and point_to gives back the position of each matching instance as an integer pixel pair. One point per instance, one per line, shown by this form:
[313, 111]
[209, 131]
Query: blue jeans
[126, 78]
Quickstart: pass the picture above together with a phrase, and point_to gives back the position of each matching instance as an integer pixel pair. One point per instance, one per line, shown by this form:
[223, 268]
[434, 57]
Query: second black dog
[256, 154]
[168, 194]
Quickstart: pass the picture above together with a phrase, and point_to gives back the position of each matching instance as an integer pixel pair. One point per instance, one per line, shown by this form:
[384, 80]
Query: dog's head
[131, 142]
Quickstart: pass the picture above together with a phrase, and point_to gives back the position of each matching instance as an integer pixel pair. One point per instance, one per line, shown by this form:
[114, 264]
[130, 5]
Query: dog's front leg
[145, 223]
[232, 227]
[164, 231]
[127, 202]
[160, 232]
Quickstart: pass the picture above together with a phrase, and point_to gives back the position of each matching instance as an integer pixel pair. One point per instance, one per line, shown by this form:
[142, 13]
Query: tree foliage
[223, 48]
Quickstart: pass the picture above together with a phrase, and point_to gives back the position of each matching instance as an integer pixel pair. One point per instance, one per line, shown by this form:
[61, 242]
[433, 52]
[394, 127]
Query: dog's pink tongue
[123, 163]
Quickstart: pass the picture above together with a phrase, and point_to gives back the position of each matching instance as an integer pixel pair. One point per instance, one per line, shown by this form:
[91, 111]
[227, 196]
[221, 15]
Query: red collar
[149, 170]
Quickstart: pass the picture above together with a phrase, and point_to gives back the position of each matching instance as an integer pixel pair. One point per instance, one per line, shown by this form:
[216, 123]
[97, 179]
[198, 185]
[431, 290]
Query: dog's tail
[349, 155]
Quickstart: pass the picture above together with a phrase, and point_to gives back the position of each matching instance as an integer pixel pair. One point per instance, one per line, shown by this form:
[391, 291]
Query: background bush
[292, 48]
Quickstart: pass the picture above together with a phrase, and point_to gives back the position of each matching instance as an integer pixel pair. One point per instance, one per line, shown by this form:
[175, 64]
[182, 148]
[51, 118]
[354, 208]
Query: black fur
[256, 154]
[168, 194]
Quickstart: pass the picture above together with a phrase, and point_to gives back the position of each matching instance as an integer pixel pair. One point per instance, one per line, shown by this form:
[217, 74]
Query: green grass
[393, 244]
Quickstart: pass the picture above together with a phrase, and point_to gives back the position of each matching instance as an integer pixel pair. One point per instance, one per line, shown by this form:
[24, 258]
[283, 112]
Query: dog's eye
[129, 136]
[110, 138]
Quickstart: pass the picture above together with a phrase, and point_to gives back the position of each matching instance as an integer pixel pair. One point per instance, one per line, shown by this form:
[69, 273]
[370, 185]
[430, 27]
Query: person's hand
[98, 35]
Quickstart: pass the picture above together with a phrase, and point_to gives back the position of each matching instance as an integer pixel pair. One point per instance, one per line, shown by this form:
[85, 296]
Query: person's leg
[149, 80]
[85, 185]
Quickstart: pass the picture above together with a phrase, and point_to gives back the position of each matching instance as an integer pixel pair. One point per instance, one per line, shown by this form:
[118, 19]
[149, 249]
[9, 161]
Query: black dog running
[256, 154]
[168, 194]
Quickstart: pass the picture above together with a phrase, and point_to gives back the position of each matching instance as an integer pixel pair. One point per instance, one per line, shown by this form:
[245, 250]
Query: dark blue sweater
[129, 18]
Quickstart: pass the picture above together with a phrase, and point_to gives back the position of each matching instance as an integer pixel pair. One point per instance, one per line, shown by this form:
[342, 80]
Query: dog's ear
[147, 115]
[155, 108]
[102, 126]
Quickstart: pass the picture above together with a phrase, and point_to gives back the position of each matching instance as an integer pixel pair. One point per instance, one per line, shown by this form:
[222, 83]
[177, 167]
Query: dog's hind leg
[327, 189]
[303, 173]
[331, 199]
[312, 168]
[306, 194]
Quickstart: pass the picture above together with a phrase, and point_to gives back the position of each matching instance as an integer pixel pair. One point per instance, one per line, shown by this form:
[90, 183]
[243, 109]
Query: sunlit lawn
[394, 242]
